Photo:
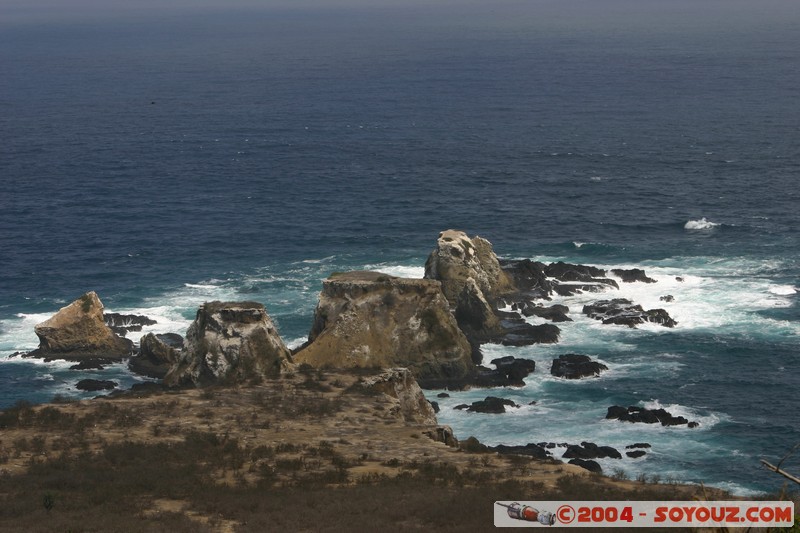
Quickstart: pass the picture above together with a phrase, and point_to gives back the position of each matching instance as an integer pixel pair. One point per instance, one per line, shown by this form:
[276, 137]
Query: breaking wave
[700, 224]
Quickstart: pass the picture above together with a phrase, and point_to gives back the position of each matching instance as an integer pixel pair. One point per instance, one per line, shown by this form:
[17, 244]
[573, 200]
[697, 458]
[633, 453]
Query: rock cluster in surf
[433, 328]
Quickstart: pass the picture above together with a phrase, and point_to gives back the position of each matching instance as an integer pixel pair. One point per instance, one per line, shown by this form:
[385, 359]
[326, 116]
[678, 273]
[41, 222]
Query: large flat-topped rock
[370, 319]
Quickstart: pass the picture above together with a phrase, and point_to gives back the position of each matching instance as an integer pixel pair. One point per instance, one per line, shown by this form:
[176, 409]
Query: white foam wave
[783, 290]
[200, 286]
[401, 271]
[295, 343]
[700, 224]
[318, 261]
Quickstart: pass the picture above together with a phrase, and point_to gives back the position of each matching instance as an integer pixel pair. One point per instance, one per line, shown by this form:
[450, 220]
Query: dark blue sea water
[169, 156]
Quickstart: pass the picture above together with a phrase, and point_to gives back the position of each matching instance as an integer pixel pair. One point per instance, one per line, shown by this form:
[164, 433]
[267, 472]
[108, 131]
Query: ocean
[168, 156]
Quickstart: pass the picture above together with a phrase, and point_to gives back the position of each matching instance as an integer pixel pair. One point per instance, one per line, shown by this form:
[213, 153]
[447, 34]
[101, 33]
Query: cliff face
[78, 331]
[230, 342]
[368, 319]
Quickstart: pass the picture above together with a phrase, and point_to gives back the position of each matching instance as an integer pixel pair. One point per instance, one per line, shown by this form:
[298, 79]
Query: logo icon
[529, 514]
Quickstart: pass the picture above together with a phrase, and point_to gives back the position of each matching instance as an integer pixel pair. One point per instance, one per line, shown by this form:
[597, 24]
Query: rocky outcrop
[78, 332]
[491, 404]
[590, 450]
[569, 272]
[537, 280]
[576, 366]
[530, 449]
[409, 402]
[229, 342]
[553, 313]
[637, 450]
[157, 354]
[443, 434]
[624, 312]
[632, 275]
[528, 277]
[473, 445]
[508, 371]
[472, 281]
[587, 464]
[520, 333]
[369, 320]
[458, 258]
[578, 278]
[647, 416]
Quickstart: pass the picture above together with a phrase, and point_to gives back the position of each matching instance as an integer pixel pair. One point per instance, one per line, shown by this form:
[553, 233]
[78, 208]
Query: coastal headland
[239, 433]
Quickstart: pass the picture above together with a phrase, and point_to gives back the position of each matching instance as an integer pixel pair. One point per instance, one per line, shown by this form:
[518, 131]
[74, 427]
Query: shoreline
[312, 431]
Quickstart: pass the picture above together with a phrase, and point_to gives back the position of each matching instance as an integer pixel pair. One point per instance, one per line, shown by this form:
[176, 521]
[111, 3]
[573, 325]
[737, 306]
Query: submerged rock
[91, 385]
[230, 342]
[647, 416]
[122, 324]
[78, 332]
[372, 320]
[576, 366]
[92, 364]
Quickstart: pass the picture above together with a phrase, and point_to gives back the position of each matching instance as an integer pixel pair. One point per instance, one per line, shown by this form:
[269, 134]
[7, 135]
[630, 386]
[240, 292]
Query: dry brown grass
[307, 453]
